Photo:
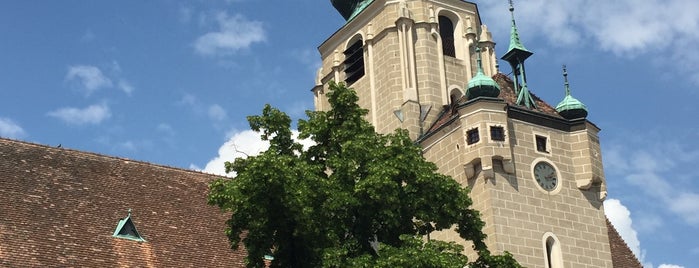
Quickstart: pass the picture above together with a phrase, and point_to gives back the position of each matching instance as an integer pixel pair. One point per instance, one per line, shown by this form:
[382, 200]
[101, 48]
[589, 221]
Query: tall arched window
[354, 61]
[446, 31]
[552, 251]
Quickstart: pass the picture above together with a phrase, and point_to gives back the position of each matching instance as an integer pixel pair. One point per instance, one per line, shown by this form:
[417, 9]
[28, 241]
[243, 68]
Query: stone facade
[409, 75]
[405, 67]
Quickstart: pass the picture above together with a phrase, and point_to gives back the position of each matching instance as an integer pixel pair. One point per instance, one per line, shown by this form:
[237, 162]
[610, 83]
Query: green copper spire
[516, 56]
[350, 8]
[515, 43]
[569, 107]
[481, 85]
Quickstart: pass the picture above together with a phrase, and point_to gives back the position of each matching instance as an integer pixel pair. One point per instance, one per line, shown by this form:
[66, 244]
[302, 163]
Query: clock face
[545, 175]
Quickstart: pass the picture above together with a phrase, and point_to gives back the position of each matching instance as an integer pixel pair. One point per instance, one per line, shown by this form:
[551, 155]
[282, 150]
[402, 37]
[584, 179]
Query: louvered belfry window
[446, 31]
[354, 62]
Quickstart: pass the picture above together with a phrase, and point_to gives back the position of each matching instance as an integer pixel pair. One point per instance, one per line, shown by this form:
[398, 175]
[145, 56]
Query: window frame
[354, 63]
[546, 140]
[448, 35]
[553, 255]
[469, 139]
[503, 133]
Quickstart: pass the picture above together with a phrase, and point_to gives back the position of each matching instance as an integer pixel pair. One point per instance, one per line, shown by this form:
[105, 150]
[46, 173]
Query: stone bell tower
[406, 59]
[534, 170]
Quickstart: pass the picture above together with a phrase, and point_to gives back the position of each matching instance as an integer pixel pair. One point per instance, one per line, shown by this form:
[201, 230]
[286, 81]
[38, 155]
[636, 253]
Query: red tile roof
[507, 94]
[622, 256]
[59, 207]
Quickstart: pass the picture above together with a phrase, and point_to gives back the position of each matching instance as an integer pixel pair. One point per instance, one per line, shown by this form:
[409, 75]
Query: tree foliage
[354, 199]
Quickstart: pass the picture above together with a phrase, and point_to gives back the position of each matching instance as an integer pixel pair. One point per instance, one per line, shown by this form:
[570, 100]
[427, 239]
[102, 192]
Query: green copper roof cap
[350, 8]
[127, 230]
[481, 85]
[516, 52]
[569, 107]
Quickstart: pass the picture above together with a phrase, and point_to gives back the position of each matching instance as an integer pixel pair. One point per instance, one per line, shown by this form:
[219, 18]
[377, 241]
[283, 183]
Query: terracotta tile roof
[507, 94]
[59, 207]
[622, 256]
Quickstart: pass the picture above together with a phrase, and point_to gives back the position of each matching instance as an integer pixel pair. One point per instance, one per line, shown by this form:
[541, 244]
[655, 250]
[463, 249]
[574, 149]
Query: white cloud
[10, 129]
[216, 112]
[240, 144]
[620, 217]
[670, 266]
[93, 114]
[234, 33]
[662, 29]
[89, 77]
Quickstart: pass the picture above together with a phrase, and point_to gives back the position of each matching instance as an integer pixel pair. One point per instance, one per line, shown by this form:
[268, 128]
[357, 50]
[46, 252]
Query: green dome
[482, 86]
[571, 108]
[350, 8]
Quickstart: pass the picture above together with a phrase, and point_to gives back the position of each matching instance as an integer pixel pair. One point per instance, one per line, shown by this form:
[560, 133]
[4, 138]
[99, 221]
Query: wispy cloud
[93, 114]
[651, 168]
[185, 14]
[214, 112]
[661, 29]
[125, 86]
[88, 36]
[217, 113]
[10, 129]
[89, 78]
[165, 129]
[234, 33]
[669, 266]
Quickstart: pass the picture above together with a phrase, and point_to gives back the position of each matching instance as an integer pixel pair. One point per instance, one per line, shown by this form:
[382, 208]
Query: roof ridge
[80, 153]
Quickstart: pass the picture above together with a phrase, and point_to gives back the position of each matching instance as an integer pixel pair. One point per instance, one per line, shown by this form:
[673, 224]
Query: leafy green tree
[354, 199]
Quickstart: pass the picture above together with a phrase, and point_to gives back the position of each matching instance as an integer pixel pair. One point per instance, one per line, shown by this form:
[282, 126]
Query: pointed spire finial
[565, 78]
[129, 213]
[479, 61]
[515, 43]
[512, 8]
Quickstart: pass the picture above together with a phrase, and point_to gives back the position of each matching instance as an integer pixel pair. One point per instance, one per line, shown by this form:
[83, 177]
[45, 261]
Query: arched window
[552, 250]
[446, 31]
[354, 61]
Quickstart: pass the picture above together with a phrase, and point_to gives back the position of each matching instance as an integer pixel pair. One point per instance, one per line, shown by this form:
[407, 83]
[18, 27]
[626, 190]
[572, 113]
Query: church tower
[535, 171]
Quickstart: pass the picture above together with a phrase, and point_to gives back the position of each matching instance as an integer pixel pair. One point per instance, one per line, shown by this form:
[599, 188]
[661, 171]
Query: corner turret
[481, 85]
[569, 107]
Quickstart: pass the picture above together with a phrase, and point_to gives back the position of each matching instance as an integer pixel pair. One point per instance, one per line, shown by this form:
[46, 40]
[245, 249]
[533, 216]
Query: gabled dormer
[126, 229]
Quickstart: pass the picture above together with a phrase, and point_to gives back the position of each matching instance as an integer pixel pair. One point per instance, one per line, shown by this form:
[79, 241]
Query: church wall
[523, 212]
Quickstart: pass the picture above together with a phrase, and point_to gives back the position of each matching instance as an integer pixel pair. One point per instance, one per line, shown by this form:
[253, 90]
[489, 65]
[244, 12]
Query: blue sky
[171, 82]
